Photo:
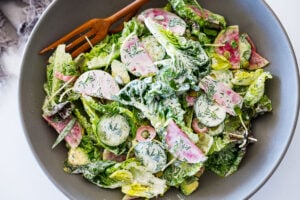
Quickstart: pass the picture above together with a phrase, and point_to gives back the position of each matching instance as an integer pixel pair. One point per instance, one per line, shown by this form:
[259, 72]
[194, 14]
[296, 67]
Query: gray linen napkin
[17, 19]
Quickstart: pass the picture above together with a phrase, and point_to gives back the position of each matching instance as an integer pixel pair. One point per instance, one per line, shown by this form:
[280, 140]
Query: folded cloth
[8, 35]
[22, 15]
[33, 11]
[3, 76]
[17, 19]
[14, 12]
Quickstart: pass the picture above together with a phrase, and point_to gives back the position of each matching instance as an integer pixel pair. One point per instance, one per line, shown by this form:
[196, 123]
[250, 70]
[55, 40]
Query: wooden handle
[121, 26]
[128, 9]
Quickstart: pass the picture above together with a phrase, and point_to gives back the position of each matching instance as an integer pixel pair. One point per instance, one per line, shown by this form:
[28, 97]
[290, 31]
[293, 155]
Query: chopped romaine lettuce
[59, 63]
[95, 173]
[157, 101]
[144, 184]
[219, 62]
[225, 157]
[189, 60]
[242, 77]
[176, 173]
[102, 54]
[190, 9]
[256, 90]
[263, 105]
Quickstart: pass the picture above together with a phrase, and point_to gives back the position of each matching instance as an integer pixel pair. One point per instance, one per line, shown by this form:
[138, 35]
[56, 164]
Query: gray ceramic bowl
[274, 131]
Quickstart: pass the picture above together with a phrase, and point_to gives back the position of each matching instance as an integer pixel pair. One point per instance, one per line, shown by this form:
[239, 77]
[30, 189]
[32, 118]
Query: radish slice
[190, 100]
[214, 20]
[229, 38]
[181, 146]
[148, 129]
[74, 137]
[135, 57]
[221, 93]
[108, 155]
[253, 47]
[256, 60]
[96, 83]
[197, 128]
[64, 78]
[168, 20]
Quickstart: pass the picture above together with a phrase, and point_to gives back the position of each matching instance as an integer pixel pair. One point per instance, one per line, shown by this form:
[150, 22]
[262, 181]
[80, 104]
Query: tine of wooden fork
[79, 40]
[87, 45]
[69, 36]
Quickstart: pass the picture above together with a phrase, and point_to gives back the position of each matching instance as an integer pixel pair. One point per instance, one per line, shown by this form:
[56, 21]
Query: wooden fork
[94, 30]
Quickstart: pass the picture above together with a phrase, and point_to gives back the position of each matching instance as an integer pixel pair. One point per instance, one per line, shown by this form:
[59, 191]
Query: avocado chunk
[77, 157]
[189, 185]
[119, 72]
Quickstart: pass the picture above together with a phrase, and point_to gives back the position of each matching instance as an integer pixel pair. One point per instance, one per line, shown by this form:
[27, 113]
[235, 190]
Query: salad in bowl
[155, 106]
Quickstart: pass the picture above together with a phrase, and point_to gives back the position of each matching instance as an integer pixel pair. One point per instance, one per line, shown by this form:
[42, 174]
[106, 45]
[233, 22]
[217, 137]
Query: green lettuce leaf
[60, 62]
[133, 26]
[102, 54]
[225, 157]
[134, 179]
[219, 62]
[144, 184]
[94, 118]
[176, 173]
[257, 89]
[156, 100]
[263, 105]
[244, 78]
[188, 62]
[95, 173]
[191, 10]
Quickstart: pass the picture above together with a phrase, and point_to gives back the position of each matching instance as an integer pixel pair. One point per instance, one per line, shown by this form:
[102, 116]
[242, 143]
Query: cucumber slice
[151, 155]
[213, 131]
[208, 112]
[153, 48]
[113, 130]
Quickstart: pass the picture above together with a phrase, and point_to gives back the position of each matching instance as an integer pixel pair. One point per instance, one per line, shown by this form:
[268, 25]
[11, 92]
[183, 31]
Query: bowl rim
[251, 193]
[283, 153]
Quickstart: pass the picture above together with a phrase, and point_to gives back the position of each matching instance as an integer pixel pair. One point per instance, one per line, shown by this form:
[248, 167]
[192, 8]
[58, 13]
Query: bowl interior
[274, 131]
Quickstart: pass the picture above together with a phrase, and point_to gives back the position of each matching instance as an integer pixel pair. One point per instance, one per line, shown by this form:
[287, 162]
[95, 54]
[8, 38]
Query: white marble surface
[22, 178]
